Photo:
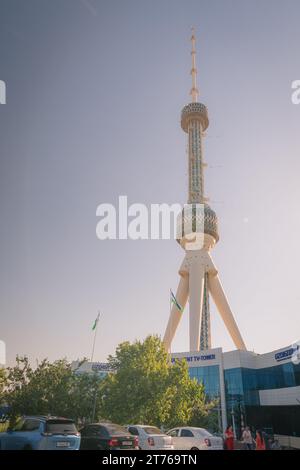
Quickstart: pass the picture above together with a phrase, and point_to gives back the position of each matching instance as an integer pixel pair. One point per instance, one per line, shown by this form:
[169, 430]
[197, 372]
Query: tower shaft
[196, 196]
[195, 155]
[205, 330]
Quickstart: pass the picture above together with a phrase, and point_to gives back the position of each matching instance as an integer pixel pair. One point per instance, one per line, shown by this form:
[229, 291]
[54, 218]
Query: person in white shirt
[247, 438]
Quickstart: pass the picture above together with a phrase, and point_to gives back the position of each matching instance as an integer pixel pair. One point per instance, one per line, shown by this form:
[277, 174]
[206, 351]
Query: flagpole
[95, 334]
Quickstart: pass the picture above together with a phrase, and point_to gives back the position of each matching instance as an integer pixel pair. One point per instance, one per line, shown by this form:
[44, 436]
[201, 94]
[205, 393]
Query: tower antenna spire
[194, 90]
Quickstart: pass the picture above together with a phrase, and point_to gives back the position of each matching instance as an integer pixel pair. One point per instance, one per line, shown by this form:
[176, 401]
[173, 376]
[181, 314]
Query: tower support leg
[222, 305]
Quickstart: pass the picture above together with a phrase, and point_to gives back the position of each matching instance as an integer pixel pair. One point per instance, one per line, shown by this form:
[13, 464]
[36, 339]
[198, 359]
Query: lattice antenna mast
[194, 90]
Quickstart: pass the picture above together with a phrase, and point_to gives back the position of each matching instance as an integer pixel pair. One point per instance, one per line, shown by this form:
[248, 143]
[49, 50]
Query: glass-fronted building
[210, 377]
[259, 390]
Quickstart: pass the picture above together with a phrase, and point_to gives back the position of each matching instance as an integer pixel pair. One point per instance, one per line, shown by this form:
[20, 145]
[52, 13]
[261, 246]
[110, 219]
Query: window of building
[209, 376]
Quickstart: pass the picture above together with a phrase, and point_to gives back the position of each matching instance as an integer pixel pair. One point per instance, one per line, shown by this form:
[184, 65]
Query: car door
[174, 433]
[11, 440]
[29, 435]
[187, 439]
[24, 436]
[95, 437]
[100, 438]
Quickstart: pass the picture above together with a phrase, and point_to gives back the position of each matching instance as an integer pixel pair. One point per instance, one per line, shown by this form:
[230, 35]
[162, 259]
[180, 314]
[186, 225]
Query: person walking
[229, 438]
[247, 438]
[260, 442]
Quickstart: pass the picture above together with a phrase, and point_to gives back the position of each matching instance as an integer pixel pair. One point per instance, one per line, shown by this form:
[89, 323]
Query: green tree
[2, 384]
[50, 388]
[146, 388]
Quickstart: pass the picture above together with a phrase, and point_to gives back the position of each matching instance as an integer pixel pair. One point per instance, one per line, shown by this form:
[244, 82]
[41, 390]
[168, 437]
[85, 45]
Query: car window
[102, 431]
[83, 431]
[116, 430]
[94, 430]
[17, 426]
[173, 432]
[89, 431]
[186, 433]
[133, 431]
[152, 430]
[61, 426]
[203, 433]
[31, 425]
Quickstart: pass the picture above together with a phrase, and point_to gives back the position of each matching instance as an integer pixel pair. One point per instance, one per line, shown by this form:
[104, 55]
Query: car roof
[190, 428]
[143, 426]
[47, 418]
[104, 424]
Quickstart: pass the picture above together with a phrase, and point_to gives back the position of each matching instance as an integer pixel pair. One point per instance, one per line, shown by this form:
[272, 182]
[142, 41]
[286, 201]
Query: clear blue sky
[94, 94]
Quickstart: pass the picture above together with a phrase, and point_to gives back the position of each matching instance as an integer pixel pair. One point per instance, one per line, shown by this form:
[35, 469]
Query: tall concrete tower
[197, 230]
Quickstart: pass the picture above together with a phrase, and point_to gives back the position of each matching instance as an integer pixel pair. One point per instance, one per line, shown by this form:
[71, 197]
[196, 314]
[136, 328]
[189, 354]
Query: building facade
[102, 369]
[259, 390]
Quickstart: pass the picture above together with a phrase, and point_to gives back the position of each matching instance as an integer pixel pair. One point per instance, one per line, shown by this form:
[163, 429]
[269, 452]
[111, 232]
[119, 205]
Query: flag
[174, 301]
[96, 321]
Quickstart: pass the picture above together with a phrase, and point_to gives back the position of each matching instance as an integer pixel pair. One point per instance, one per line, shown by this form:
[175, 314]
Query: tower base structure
[198, 266]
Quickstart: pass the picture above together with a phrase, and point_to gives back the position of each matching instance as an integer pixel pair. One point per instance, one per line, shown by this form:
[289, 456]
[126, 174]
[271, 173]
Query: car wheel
[194, 448]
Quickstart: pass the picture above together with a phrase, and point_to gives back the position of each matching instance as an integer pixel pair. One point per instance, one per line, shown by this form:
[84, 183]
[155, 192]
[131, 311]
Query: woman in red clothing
[260, 442]
[229, 438]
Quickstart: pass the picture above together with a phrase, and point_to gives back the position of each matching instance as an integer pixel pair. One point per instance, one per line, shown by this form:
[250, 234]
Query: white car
[189, 438]
[151, 438]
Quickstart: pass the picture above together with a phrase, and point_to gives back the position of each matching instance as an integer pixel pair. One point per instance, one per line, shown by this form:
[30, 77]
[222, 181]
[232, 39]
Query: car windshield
[202, 433]
[61, 427]
[116, 430]
[152, 430]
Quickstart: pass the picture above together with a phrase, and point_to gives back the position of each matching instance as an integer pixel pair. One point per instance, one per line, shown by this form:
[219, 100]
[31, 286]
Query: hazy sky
[94, 94]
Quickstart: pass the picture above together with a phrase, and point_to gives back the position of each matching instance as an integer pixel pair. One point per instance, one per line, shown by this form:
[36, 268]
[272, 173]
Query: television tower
[197, 233]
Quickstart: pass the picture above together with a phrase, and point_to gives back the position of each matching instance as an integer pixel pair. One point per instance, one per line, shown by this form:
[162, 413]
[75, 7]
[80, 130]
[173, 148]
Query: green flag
[174, 301]
[96, 321]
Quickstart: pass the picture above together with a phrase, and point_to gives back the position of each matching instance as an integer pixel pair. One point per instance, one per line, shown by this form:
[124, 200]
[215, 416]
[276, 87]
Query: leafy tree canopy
[50, 388]
[146, 388]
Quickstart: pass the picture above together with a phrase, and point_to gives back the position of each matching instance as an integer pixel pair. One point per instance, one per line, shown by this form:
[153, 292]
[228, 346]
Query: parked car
[151, 438]
[41, 433]
[102, 436]
[194, 439]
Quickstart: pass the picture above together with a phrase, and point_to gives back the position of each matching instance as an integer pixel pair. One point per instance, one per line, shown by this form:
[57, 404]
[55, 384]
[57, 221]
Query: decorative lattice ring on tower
[197, 215]
[194, 111]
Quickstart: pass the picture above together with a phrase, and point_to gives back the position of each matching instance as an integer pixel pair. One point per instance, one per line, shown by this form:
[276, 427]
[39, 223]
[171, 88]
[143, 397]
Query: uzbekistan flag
[174, 301]
[96, 321]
